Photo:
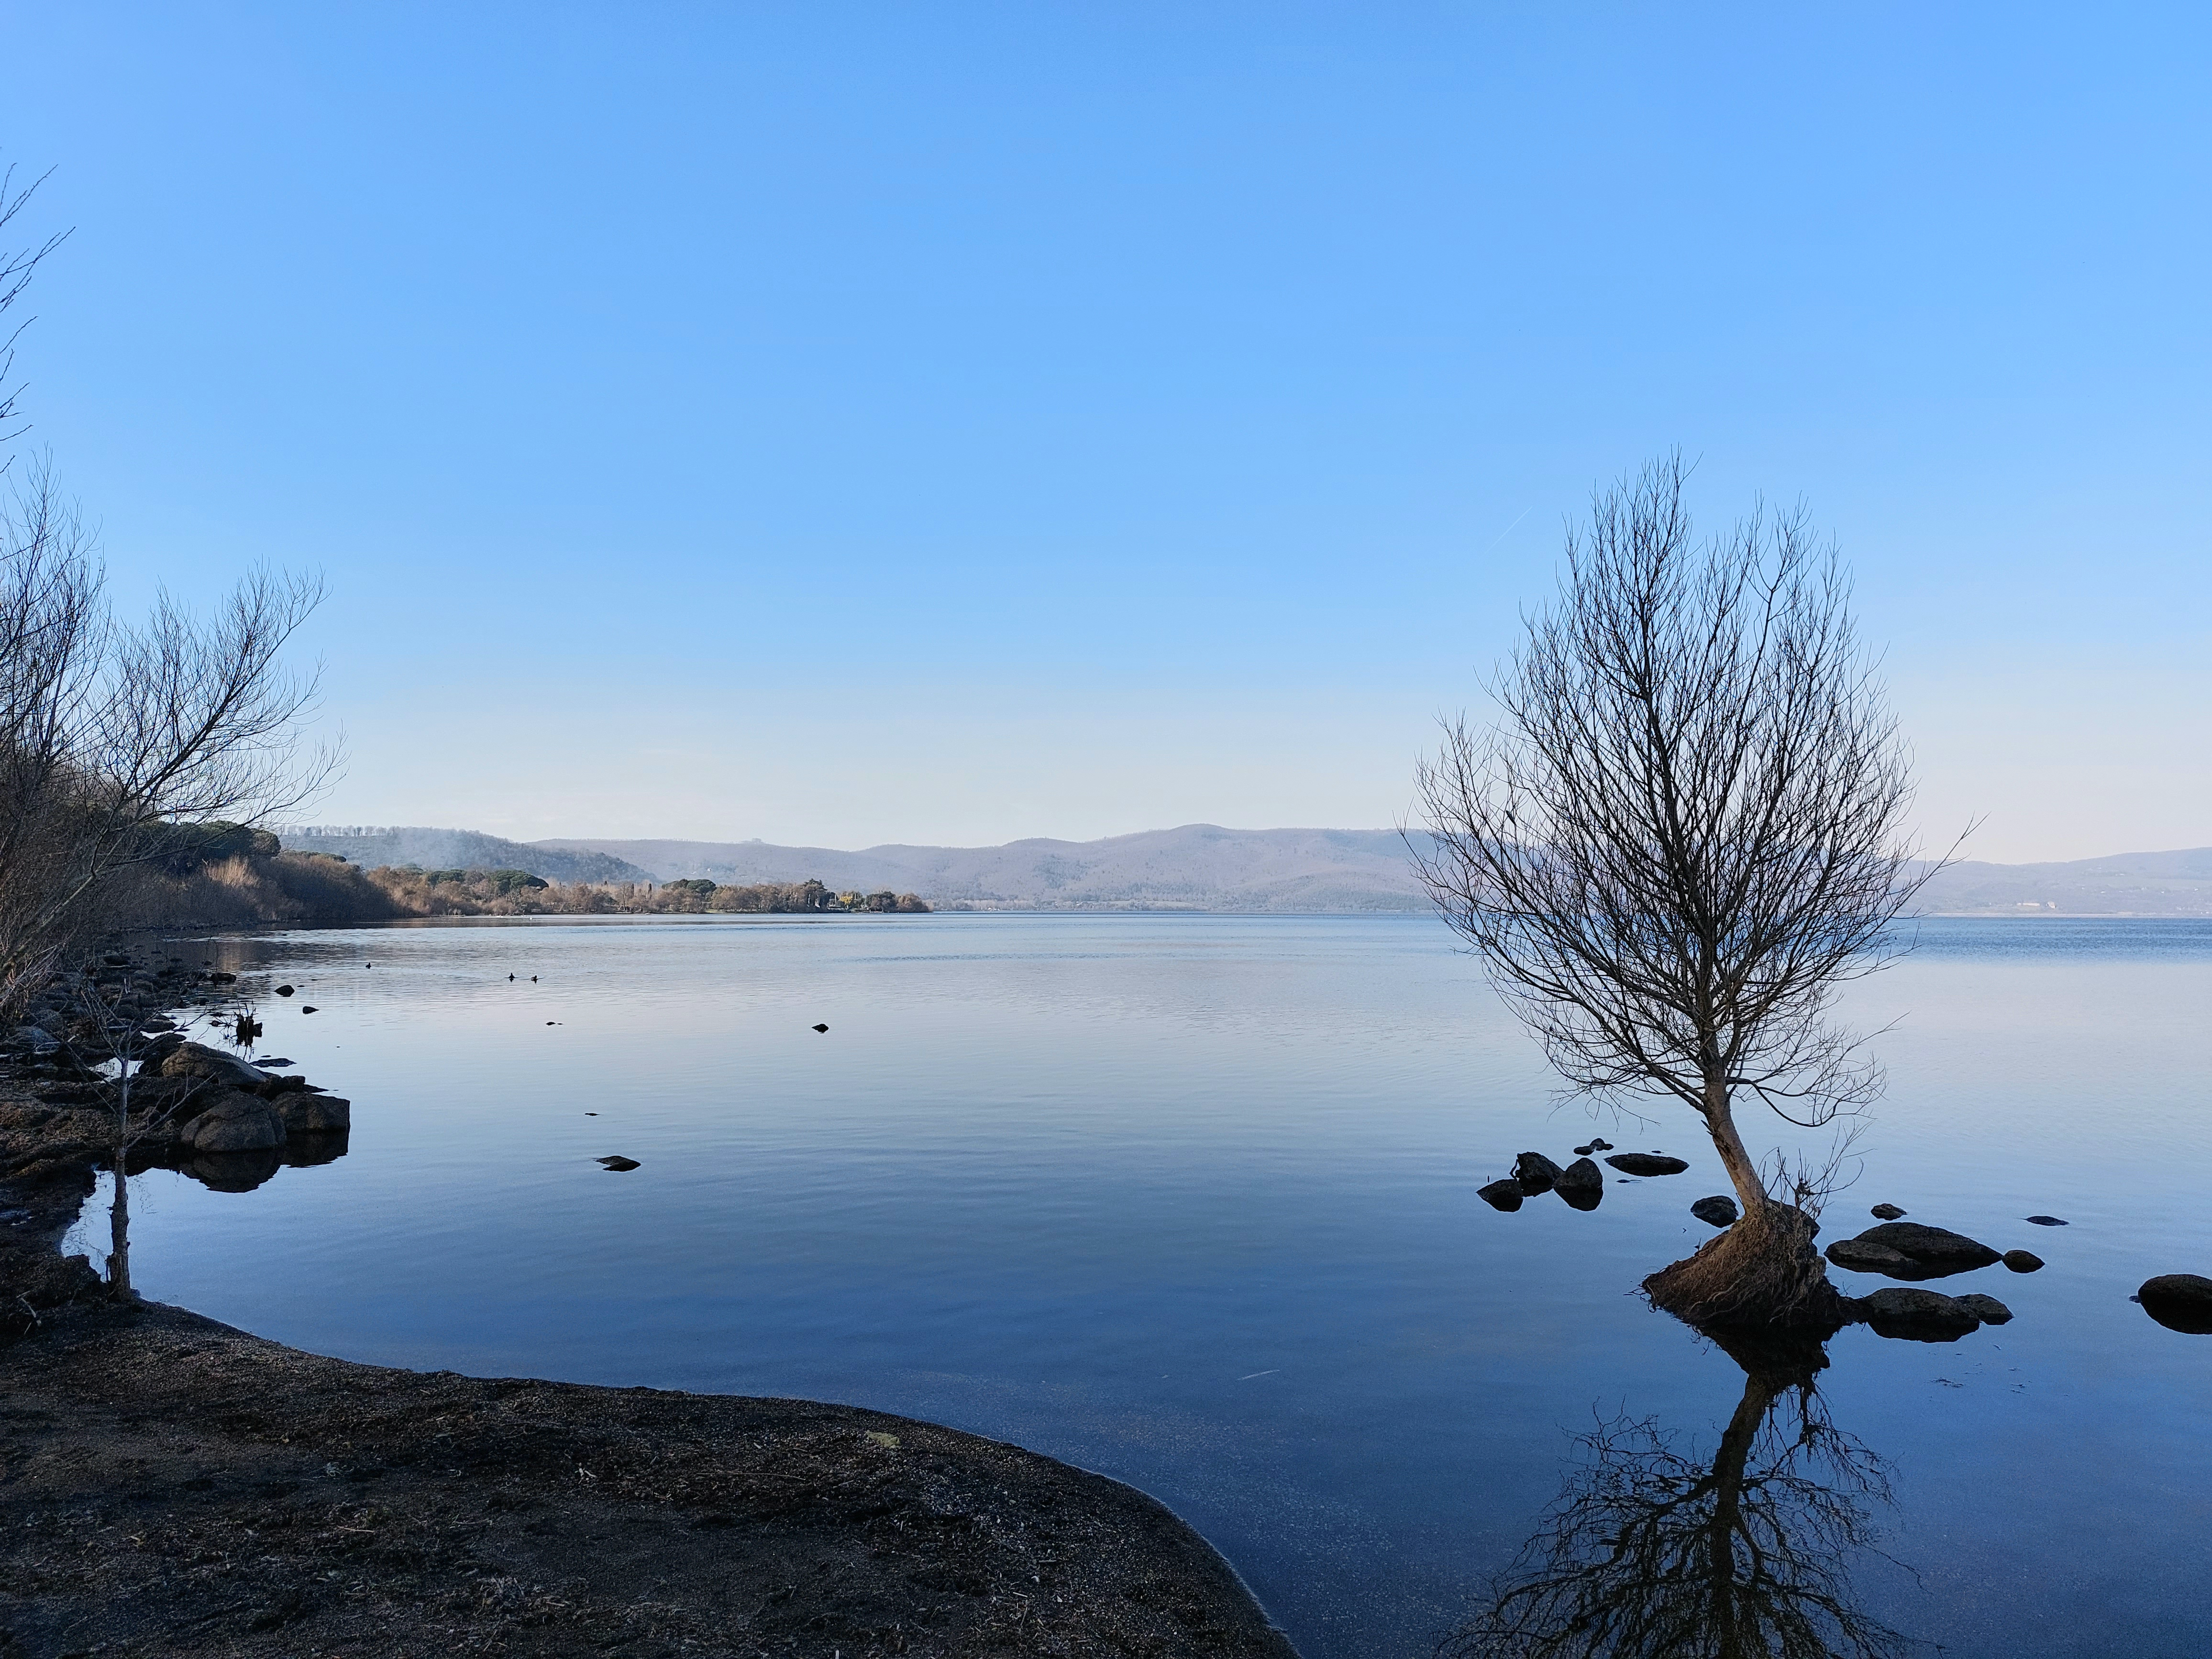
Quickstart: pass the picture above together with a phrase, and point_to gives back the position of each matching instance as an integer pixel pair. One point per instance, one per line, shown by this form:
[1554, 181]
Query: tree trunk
[118, 1212]
[118, 1236]
[1742, 1172]
[1763, 1271]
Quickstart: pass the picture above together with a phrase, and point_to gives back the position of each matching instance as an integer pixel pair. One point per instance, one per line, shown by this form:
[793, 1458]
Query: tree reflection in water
[1652, 1552]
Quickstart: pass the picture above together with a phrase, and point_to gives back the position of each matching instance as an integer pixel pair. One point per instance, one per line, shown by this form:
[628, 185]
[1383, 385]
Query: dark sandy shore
[169, 1485]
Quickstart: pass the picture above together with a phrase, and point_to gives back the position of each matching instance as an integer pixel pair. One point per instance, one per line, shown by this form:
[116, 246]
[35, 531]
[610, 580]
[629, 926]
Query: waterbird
[821, 1028]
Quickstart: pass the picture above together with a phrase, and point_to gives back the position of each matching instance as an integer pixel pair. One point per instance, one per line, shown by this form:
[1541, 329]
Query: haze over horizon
[953, 427]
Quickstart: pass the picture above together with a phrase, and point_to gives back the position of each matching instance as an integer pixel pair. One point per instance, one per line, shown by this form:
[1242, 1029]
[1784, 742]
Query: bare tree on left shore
[112, 734]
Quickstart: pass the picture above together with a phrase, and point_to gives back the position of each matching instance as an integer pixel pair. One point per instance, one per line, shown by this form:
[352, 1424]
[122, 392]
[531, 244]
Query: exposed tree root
[1763, 1272]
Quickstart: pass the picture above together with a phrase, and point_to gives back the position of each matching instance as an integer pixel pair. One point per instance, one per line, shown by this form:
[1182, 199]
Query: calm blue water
[1191, 1201]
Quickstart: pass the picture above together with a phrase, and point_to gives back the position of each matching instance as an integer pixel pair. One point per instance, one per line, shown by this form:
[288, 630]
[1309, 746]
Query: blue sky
[948, 424]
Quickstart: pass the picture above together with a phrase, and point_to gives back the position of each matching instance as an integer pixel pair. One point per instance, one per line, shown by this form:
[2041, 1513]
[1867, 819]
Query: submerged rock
[1886, 1212]
[1917, 1315]
[1718, 1210]
[1501, 1195]
[2180, 1302]
[1580, 1184]
[2022, 1262]
[1535, 1173]
[1987, 1309]
[1931, 1247]
[1647, 1164]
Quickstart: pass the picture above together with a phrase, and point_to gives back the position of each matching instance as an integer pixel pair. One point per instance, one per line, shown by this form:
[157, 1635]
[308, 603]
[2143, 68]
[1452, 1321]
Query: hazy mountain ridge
[2175, 884]
[1195, 866]
[1201, 866]
[457, 849]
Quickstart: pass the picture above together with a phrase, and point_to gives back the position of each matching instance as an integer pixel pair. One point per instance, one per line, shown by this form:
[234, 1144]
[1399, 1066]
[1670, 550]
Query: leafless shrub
[108, 730]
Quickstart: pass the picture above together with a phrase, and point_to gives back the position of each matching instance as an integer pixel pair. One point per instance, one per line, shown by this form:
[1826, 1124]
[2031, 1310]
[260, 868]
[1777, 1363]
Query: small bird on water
[821, 1028]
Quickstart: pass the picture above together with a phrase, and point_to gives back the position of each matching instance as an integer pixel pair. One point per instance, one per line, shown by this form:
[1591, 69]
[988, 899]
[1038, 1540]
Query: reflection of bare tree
[1650, 1554]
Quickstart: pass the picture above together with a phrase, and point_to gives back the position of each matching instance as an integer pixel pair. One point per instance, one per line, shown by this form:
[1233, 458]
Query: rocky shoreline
[169, 1484]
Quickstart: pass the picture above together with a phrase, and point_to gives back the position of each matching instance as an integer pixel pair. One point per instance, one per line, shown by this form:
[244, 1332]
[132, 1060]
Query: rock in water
[196, 1060]
[821, 1028]
[1501, 1195]
[2180, 1302]
[234, 1124]
[618, 1163]
[2022, 1262]
[2048, 1221]
[1861, 1257]
[1931, 1247]
[1535, 1173]
[1917, 1316]
[1886, 1212]
[1646, 1163]
[1581, 1184]
[284, 990]
[1718, 1210]
[308, 1114]
[1987, 1309]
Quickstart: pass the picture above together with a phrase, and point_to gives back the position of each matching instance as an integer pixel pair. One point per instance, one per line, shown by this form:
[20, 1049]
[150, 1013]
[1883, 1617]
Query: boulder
[1917, 1316]
[1987, 1309]
[2180, 1302]
[198, 1059]
[2022, 1262]
[1931, 1247]
[1886, 1212]
[308, 1114]
[1646, 1163]
[1718, 1210]
[234, 1123]
[1858, 1257]
[1504, 1194]
[1535, 1173]
[1580, 1184]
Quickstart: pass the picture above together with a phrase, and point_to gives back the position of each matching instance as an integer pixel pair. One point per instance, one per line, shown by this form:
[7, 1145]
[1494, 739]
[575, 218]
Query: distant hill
[457, 849]
[1198, 866]
[1202, 867]
[2124, 884]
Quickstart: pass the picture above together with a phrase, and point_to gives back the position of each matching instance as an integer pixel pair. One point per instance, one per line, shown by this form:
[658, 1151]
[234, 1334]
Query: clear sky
[843, 423]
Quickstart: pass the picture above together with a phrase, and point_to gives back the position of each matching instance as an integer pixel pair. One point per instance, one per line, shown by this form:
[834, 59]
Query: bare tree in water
[1652, 1554]
[1685, 831]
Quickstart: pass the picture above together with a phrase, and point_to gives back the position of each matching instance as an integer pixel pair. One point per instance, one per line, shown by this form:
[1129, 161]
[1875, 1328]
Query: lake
[1191, 1201]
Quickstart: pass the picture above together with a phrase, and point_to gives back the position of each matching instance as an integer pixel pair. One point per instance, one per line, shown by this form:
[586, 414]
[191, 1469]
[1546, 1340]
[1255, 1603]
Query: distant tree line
[416, 891]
